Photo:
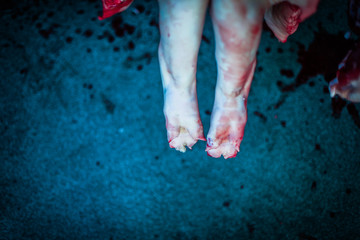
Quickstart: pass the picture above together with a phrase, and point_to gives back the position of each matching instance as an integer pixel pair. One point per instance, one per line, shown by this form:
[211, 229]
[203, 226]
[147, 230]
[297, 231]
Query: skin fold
[237, 26]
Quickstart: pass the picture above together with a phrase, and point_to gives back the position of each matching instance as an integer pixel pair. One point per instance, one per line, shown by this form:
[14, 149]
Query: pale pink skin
[237, 26]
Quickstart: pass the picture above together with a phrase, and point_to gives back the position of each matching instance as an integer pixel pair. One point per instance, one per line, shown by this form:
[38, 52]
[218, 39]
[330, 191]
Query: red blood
[88, 33]
[234, 155]
[255, 29]
[313, 185]
[287, 72]
[226, 204]
[69, 39]
[283, 123]
[111, 7]
[131, 45]
[259, 114]
[205, 39]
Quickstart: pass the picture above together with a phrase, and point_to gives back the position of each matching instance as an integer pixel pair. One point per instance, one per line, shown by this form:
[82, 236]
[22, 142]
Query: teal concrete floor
[83, 145]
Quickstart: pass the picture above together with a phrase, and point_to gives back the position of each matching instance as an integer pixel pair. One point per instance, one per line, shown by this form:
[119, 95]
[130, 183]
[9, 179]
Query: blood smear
[111, 7]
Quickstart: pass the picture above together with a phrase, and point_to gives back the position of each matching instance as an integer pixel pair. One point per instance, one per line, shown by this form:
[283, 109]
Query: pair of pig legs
[237, 26]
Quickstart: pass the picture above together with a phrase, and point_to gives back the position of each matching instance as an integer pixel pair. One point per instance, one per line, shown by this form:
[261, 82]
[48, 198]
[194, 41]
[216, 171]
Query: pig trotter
[347, 81]
[181, 24]
[283, 19]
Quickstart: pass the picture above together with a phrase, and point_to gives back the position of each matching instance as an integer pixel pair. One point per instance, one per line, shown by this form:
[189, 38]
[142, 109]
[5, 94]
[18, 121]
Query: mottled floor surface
[83, 145]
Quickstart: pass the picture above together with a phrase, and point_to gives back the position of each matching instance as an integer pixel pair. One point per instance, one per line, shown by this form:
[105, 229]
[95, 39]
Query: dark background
[83, 145]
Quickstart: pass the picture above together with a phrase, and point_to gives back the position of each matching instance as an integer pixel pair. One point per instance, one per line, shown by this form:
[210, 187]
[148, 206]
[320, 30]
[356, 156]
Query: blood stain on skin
[255, 29]
[222, 132]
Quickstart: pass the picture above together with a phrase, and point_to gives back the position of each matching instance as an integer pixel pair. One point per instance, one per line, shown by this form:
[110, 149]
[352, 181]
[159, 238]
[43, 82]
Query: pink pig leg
[181, 24]
[237, 26]
[283, 17]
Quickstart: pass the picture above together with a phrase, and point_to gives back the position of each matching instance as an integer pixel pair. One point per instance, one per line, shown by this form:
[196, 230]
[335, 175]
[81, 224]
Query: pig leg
[237, 26]
[283, 17]
[181, 24]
